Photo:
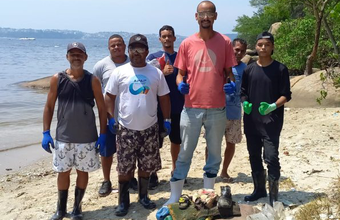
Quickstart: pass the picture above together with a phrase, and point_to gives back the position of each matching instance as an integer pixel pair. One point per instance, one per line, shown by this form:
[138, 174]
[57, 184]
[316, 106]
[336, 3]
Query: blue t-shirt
[233, 107]
[176, 98]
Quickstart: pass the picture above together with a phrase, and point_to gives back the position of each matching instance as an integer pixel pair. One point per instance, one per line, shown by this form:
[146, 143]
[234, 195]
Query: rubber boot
[78, 197]
[143, 186]
[124, 199]
[208, 183]
[273, 190]
[176, 191]
[260, 191]
[61, 205]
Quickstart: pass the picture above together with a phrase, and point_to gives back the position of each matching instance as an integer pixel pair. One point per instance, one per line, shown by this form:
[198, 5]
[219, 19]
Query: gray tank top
[76, 119]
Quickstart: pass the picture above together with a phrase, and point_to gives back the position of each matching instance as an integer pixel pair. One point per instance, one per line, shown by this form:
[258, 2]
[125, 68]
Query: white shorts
[83, 157]
[233, 131]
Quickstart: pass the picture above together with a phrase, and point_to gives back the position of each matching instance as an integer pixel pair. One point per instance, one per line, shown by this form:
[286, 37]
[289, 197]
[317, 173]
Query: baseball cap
[265, 35]
[76, 45]
[139, 39]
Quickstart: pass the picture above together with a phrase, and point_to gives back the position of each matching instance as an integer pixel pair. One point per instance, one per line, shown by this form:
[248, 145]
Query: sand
[309, 156]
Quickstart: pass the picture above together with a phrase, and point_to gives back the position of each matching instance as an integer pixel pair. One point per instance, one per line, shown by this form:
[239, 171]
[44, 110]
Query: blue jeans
[192, 120]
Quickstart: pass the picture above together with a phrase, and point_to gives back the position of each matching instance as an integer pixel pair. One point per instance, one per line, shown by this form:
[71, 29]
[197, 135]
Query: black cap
[139, 39]
[76, 45]
[265, 35]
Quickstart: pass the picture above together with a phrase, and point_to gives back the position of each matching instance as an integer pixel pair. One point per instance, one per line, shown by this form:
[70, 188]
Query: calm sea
[21, 109]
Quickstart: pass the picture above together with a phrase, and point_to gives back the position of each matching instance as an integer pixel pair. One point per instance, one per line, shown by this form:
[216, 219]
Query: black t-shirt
[264, 84]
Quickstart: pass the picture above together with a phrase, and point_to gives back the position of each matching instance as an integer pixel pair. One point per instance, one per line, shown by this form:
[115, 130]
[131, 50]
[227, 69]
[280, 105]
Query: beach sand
[309, 156]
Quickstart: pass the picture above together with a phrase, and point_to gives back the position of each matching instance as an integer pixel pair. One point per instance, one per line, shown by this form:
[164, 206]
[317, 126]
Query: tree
[317, 8]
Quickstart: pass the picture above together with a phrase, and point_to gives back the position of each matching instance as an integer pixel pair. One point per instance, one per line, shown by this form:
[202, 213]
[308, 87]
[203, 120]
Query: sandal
[184, 202]
[227, 179]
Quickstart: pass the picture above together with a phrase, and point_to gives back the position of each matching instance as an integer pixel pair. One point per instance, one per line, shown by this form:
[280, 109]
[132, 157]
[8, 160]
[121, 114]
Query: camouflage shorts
[135, 145]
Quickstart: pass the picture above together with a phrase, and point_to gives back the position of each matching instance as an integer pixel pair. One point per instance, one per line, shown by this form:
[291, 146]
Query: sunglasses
[137, 49]
[206, 13]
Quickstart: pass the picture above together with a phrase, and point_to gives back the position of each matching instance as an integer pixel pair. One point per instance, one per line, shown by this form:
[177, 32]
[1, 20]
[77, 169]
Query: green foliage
[294, 42]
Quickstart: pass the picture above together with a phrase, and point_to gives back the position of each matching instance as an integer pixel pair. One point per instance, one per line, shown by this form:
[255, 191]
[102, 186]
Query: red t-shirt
[204, 63]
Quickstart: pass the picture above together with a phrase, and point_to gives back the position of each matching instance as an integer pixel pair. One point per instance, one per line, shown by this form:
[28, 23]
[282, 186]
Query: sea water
[21, 109]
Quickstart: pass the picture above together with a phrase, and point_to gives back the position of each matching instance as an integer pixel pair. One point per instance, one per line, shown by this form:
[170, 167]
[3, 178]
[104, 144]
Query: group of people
[142, 97]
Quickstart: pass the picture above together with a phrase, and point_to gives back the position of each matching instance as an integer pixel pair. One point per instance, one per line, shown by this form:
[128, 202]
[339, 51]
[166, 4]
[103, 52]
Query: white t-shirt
[137, 89]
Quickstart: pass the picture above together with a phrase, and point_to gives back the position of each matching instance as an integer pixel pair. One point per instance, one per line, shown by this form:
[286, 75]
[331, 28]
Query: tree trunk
[331, 36]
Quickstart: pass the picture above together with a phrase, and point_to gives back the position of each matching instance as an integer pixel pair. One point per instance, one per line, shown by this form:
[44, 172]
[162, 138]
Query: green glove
[247, 107]
[266, 108]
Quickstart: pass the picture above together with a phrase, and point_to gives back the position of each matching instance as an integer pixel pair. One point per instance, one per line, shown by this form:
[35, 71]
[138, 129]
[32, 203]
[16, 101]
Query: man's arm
[50, 103]
[229, 74]
[97, 91]
[110, 104]
[165, 104]
[281, 101]
[180, 75]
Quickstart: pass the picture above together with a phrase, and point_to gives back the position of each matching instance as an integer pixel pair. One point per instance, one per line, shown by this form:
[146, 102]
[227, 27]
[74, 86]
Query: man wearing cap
[77, 141]
[103, 69]
[203, 61]
[138, 85]
[264, 91]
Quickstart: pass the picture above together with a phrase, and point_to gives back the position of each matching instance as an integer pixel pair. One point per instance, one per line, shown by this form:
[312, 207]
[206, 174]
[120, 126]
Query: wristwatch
[167, 120]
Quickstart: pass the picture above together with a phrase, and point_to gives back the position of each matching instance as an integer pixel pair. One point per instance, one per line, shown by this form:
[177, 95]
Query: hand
[266, 108]
[101, 143]
[247, 107]
[229, 88]
[184, 88]
[168, 69]
[47, 141]
[167, 126]
[112, 123]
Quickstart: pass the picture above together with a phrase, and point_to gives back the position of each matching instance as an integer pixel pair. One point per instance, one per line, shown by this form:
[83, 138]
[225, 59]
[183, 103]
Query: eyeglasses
[137, 49]
[206, 13]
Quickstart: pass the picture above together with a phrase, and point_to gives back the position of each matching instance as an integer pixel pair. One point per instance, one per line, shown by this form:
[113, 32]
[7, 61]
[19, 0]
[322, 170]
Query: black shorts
[175, 128]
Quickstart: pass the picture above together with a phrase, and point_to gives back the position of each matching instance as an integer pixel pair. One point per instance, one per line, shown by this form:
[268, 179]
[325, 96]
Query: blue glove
[229, 88]
[266, 108]
[46, 141]
[183, 88]
[112, 123]
[101, 143]
[167, 126]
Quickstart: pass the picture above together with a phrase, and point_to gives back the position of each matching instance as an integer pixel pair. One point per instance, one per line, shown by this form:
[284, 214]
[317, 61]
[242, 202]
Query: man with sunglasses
[203, 60]
[138, 85]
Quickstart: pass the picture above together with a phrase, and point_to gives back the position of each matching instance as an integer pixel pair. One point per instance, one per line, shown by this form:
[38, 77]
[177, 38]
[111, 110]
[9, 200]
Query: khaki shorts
[83, 157]
[233, 131]
[141, 146]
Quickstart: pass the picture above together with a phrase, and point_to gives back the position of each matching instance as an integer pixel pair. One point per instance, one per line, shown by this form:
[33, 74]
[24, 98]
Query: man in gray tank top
[77, 141]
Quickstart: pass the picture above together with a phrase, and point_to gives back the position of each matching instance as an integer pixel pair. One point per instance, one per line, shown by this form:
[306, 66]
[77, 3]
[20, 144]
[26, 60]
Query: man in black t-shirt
[265, 89]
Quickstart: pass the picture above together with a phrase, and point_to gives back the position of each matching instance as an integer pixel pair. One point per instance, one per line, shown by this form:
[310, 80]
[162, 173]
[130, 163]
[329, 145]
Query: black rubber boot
[143, 185]
[78, 197]
[61, 205]
[273, 190]
[124, 199]
[260, 191]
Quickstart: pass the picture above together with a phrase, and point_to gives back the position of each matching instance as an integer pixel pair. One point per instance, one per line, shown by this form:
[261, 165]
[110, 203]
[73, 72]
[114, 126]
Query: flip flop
[227, 179]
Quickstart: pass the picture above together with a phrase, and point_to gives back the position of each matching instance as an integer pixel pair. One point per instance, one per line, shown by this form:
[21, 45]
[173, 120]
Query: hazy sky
[138, 16]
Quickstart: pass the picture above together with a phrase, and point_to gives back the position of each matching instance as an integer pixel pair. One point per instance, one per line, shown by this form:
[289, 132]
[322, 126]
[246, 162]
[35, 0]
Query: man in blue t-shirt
[164, 60]
[233, 134]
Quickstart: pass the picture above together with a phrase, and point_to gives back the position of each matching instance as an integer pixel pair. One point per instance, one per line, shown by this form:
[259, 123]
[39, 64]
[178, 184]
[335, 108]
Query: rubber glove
[101, 143]
[183, 88]
[266, 108]
[112, 123]
[167, 126]
[247, 107]
[229, 88]
[47, 141]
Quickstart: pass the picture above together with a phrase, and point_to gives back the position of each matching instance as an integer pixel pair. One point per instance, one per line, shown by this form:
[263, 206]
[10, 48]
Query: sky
[137, 16]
